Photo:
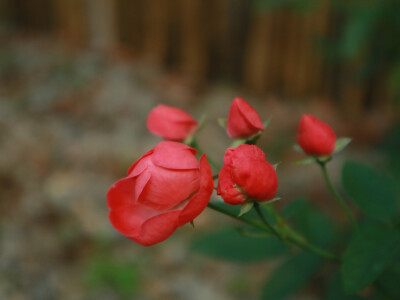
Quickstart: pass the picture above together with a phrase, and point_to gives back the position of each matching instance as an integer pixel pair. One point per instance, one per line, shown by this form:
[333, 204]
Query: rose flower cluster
[168, 186]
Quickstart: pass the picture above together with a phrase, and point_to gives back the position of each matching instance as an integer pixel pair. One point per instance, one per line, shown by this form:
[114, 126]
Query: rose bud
[243, 121]
[170, 123]
[246, 175]
[166, 188]
[315, 137]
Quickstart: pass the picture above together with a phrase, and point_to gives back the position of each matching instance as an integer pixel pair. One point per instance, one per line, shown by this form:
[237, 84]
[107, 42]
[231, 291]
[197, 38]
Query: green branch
[337, 196]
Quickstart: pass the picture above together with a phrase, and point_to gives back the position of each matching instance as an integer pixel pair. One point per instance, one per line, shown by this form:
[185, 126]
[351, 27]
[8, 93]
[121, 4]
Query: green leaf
[267, 122]
[335, 290]
[369, 251]
[222, 122]
[228, 244]
[371, 191]
[310, 222]
[264, 203]
[294, 207]
[389, 280]
[237, 142]
[252, 232]
[290, 276]
[305, 161]
[341, 143]
[324, 158]
[297, 148]
[245, 208]
[121, 277]
[276, 165]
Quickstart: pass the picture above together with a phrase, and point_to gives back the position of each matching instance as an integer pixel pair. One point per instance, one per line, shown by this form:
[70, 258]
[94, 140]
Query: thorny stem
[337, 196]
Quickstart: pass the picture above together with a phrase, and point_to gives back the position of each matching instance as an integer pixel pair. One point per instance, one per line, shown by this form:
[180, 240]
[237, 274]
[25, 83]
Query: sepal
[245, 208]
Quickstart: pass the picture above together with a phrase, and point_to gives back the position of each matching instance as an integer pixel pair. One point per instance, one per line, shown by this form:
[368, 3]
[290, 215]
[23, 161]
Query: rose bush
[243, 121]
[315, 137]
[170, 123]
[166, 188]
[246, 175]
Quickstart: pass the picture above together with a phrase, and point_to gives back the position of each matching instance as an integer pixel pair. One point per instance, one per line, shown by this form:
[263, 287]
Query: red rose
[170, 123]
[243, 121]
[315, 137]
[166, 188]
[246, 175]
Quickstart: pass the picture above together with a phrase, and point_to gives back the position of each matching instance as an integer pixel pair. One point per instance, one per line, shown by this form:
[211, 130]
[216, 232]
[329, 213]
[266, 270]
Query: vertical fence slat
[156, 25]
[102, 32]
[71, 20]
[193, 61]
[258, 59]
[130, 23]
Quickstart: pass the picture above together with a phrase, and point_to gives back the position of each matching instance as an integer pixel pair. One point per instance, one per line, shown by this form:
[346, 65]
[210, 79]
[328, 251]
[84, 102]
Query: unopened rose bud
[315, 137]
[246, 175]
[243, 121]
[170, 123]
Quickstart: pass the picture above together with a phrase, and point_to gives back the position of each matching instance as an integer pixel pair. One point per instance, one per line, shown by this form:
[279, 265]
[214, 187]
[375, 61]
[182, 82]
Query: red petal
[125, 215]
[170, 123]
[157, 228]
[200, 200]
[168, 188]
[315, 137]
[250, 114]
[226, 187]
[141, 183]
[173, 155]
[140, 165]
[121, 193]
[243, 120]
[252, 172]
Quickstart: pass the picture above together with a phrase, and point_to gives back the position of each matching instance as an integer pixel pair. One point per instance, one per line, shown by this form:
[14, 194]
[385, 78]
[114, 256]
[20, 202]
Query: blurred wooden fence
[268, 51]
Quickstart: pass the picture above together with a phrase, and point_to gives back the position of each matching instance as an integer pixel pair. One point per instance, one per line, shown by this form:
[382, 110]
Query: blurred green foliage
[371, 249]
[373, 192]
[335, 290]
[290, 276]
[390, 149]
[310, 222]
[367, 256]
[270, 5]
[229, 244]
[104, 273]
[365, 36]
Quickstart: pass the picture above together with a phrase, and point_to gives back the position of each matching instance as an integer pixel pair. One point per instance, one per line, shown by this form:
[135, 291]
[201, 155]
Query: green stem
[195, 145]
[337, 196]
[289, 235]
[300, 241]
[243, 218]
[265, 221]
[293, 237]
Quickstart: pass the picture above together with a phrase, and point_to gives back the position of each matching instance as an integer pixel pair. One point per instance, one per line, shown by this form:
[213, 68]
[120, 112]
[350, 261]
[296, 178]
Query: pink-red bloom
[246, 175]
[243, 121]
[166, 188]
[315, 137]
[170, 123]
